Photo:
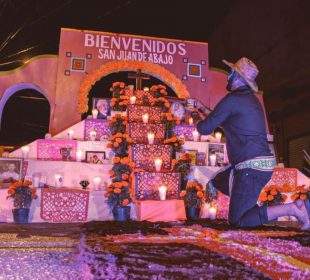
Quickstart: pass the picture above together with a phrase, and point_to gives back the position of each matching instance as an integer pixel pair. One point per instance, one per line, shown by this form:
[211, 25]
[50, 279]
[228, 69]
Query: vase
[21, 215]
[192, 212]
[121, 213]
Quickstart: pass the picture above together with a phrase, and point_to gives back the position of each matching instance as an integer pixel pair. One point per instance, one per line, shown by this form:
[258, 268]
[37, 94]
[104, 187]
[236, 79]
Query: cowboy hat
[246, 69]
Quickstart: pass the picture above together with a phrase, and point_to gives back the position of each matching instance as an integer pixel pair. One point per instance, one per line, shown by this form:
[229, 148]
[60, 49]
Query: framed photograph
[103, 107]
[97, 157]
[193, 156]
[10, 171]
[217, 151]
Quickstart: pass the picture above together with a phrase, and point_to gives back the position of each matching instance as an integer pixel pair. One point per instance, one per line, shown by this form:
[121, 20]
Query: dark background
[275, 34]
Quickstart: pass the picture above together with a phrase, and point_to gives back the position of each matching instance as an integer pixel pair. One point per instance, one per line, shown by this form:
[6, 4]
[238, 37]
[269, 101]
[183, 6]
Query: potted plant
[193, 198]
[22, 193]
[118, 193]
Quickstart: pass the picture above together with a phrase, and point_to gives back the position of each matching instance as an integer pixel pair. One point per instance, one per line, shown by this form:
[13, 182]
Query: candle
[48, 136]
[36, 181]
[212, 158]
[218, 136]
[195, 135]
[97, 181]
[131, 87]
[212, 213]
[133, 99]
[150, 137]
[145, 118]
[70, 133]
[205, 211]
[158, 163]
[93, 135]
[94, 113]
[25, 151]
[58, 180]
[79, 155]
[146, 89]
[162, 192]
[190, 121]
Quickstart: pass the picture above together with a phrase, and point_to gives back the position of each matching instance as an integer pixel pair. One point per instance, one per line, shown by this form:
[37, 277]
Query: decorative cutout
[50, 149]
[100, 126]
[145, 155]
[138, 132]
[194, 70]
[186, 130]
[147, 183]
[135, 112]
[284, 176]
[78, 64]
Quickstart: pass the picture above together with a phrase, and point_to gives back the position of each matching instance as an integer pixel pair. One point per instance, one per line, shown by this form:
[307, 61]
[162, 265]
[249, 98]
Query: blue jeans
[246, 188]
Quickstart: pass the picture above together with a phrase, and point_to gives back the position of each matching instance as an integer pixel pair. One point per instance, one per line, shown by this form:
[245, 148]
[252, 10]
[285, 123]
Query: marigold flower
[274, 192]
[125, 202]
[32, 190]
[117, 190]
[132, 164]
[303, 196]
[109, 145]
[200, 194]
[125, 160]
[125, 177]
[116, 160]
[270, 197]
[116, 144]
[111, 172]
[11, 191]
[182, 193]
[118, 140]
[34, 196]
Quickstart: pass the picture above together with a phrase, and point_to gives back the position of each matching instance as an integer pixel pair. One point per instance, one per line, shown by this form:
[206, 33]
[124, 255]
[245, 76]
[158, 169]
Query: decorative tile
[138, 131]
[284, 176]
[78, 64]
[101, 126]
[50, 149]
[184, 130]
[147, 183]
[135, 112]
[194, 70]
[145, 155]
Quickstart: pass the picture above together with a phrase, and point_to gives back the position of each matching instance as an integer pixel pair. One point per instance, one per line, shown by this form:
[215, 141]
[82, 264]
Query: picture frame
[178, 109]
[193, 155]
[10, 171]
[96, 157]
[103, 107]
[219, 149]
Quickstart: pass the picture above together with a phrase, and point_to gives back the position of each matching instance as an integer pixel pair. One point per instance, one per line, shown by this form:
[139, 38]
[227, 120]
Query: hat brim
[252, 84]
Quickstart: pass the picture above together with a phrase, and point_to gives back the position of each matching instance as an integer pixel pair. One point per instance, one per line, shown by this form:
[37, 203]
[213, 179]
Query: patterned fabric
[145, 155]
[185, 130]
[138, 131]
[135, 112]
[100, 126]
[284, 177]
[63, 205]
[258, 163]
[50, 149]
[147, 183]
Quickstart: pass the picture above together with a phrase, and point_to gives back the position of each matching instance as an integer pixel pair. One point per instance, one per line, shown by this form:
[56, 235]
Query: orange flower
[200, 194]
[125, 183]
[109, 145]
[117, 190]
[303, 196]
[32, 190]
[125, 202]
[111, 173]
[125, 177]
[182, 194]
[125, 160]
[270, 197]
[116, 160]
[116, 144]
[27, 183]
[274, 192]
[11, 191]
[132, 164]
[118, 140]
[34, 196]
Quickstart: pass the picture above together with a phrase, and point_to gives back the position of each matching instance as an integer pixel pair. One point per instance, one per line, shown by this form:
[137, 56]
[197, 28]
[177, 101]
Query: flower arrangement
[193, 195]
[120, 99]
[271, 195]
[175, 142]
[119, 143]
[301, 192]
[182, 165]
[158, 90]
[161, 102]
[169, 120]
[118, 124]
[22, 193]
[118, 192]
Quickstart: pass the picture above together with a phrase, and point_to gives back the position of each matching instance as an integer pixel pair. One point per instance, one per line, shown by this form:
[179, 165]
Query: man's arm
[220, 113]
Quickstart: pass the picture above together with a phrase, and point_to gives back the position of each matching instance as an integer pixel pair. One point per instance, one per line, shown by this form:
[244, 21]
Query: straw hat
[246, 69]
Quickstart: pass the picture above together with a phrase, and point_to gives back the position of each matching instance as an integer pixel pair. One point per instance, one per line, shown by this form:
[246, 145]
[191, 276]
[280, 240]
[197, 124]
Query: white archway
[15, 88]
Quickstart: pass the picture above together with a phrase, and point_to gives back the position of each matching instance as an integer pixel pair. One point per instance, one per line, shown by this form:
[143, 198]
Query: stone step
[146, 184]
[144, 155]
[135, 113]
[138, 131]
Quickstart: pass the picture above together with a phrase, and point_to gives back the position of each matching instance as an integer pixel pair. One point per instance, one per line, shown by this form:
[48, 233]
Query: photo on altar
[10, 171]
[97, 157]
[177, 107]
[103, 107]
[193, 156]
[219, 152]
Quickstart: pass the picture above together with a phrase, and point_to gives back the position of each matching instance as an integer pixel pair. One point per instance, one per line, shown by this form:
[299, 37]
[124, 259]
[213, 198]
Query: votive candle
[195, 135]
[133, 99]
[79, 155]
[150, 137]
[145, 118]
[94, 113]
[97, 181]
[162, 192]
[93, 135]
[158, 163]
[190, 121]
[25, 151]
[212, 213]
[212, 158]
[70, 134]
[146, 88]
[218, 136]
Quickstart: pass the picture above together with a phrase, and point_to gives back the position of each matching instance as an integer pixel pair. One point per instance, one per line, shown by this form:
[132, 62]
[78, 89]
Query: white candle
[212, 158]
[93, 135]
[94, 113]
[158, 163]
[146, 89]
[79, 155]
[195, 135]
[97, 181]
[70, 134]
[145, 118]
[190, 121]
[131, 87]
[133, 99]
[212, 213]
[58, 180]
[218, 136]
[204, 214]
[150, 137]
[25, 151]
[36, 181]
[162, 192]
